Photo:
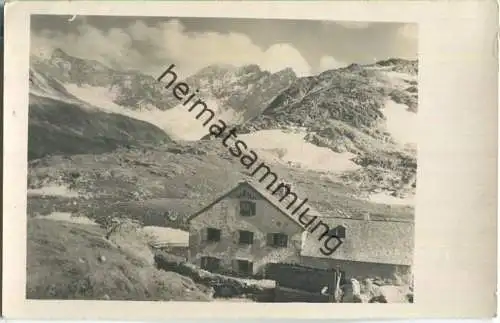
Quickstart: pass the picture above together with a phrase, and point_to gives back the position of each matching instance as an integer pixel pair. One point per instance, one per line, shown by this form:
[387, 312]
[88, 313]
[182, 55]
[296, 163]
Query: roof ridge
[368, 220]
[269, 196]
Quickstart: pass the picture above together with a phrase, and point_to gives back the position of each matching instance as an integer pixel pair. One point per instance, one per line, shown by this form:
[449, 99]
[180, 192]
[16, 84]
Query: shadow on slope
[60, 128]
[74, 261]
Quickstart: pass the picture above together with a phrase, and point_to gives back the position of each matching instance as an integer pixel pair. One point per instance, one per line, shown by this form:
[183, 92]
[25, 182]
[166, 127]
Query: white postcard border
[455, 254]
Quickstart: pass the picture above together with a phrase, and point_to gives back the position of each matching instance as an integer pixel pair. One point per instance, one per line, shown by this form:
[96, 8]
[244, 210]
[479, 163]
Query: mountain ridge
[134, 90]
[343, 110]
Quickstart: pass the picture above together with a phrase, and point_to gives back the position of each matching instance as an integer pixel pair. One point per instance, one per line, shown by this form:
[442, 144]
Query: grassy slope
[130, 182]
[63, 263]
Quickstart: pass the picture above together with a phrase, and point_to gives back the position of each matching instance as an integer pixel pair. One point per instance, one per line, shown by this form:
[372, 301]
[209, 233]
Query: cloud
[280, 56]
[353, 24]
[196, 50]
[329, 63]
[113, 47]
[168, 43]
[408, 31]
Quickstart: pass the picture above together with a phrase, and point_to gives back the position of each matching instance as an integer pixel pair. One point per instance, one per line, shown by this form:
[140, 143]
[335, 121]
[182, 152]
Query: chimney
[367, 216]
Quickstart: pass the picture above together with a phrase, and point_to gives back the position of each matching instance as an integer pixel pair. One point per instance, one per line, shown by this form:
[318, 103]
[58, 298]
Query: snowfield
[167, 235]
[178, 122]
[385, 198]
[291, 148]
[401, 123]
[67, 217]
[181, 124]
[53, 190]
[157, 234]
[399, 80]
[286, 147]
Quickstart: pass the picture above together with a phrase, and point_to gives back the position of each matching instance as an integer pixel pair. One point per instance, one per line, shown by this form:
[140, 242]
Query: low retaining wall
[300, 277]
[289, 295]
[223, 286]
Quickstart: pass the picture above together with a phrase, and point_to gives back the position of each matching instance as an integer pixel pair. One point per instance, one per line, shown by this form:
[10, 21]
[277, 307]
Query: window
[245, 267]
[246, 237]
[277, 240]
[210, 263]
[213, 234]
[339, 232]
[247, 208]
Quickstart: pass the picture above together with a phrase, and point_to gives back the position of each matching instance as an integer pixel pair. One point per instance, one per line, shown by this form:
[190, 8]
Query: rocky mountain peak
[286, 73]
[214, 70]
[249, 69]
[400, 65]
[59, 53]
[395, 61]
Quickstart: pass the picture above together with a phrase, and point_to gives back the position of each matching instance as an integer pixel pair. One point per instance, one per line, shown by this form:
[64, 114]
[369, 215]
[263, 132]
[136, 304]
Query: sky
[151, 44]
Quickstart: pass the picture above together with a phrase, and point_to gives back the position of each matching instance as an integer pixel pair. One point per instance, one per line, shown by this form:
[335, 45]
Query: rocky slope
[79, 106]
[354, 96]
[244, 91]
[60, 123]
[247, 90]
[344, 110]
[135, 181]
[110, 153]
[129, 89]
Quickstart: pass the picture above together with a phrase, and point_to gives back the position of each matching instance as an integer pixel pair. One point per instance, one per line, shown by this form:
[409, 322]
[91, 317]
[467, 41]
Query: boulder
[394, 294]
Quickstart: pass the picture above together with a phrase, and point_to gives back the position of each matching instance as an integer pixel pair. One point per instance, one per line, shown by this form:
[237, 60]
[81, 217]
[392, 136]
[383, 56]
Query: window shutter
[285, 241]
[242, 208]
[203, 262]
[270, 239]
[341, 232]
[250, 268]
[234, 265]
[204, 234]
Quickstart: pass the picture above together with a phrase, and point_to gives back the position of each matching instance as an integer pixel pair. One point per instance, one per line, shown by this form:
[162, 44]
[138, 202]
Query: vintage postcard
[200, 159]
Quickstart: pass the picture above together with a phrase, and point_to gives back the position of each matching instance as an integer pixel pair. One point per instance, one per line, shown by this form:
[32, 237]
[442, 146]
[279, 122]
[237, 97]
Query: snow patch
[383, 198]
[51, 96]
[401, 123]
[394, 79]
[399, 80]
[182, 124]
[401, 76]
[67, 217]
[291, 148]
[100, 97]
[167, 235]
[40, 86]
[53, 190]
[178, 122]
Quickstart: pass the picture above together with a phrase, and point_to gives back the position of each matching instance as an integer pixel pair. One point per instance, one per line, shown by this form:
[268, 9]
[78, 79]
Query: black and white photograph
[220, 159]
[249, 160]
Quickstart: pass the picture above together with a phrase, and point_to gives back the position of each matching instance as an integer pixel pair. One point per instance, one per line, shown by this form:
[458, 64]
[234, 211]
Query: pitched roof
[272, 199]
[388, 242]
[378, 241]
